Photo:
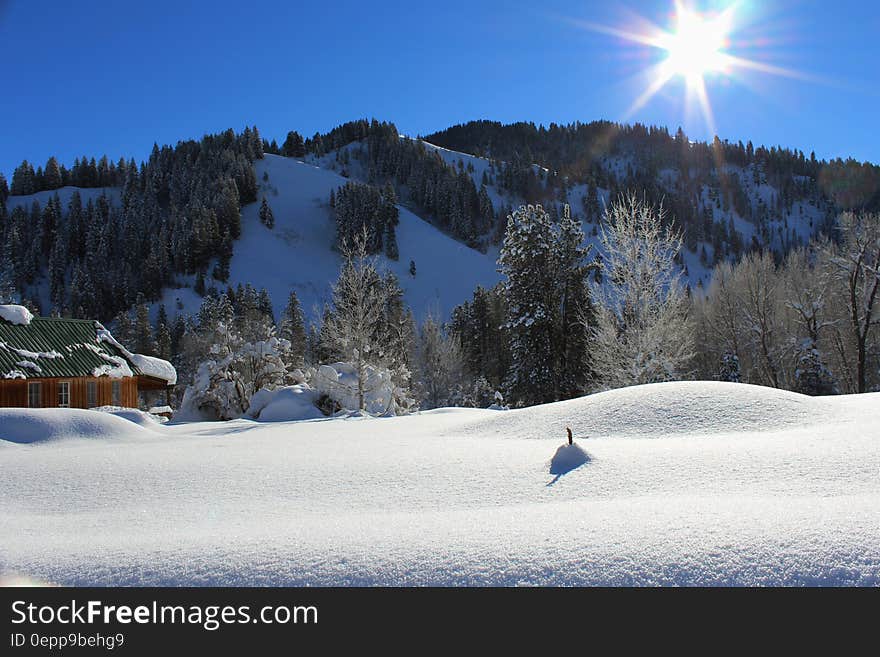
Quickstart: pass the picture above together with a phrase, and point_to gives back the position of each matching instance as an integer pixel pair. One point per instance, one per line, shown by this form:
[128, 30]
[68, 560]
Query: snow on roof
[147, 365]
[16, 314]
[155, 367]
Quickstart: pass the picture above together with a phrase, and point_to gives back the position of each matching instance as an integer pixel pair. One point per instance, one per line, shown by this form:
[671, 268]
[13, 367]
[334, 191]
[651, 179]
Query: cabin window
[117, 393]
[35, 395]
[64, 394]
[92, 394]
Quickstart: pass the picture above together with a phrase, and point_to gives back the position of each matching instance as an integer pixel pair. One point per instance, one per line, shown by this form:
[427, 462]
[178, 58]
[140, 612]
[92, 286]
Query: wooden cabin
[48, 362]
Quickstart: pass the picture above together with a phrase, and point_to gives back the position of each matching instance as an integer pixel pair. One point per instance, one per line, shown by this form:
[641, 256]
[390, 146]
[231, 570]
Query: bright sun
[696, 47]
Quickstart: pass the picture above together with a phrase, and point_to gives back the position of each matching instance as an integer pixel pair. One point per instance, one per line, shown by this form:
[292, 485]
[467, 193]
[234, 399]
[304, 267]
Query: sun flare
[697, 45]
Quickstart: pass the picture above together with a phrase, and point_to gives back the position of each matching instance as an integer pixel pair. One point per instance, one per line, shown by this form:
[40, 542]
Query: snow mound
[37, 425]
[662, 409]
[285, 404]
[16, 314]
[133, 415]
[567, 458]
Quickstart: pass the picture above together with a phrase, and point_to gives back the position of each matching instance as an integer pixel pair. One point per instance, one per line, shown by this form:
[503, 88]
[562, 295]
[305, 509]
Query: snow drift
[38, 425]
[665, 409]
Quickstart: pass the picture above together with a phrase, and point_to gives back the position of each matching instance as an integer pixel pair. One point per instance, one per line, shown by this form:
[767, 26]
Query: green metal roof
[57, 347]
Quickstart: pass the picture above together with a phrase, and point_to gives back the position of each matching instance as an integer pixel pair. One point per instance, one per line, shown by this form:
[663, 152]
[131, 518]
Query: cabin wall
[14, 392]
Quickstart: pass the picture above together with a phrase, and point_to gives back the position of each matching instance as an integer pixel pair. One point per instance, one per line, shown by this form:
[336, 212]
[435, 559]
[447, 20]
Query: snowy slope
[296, 254]
[64, 195]
[683, 483]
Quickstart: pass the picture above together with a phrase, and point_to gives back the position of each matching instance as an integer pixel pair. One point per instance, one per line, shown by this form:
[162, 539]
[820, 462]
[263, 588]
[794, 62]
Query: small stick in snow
[568, 429]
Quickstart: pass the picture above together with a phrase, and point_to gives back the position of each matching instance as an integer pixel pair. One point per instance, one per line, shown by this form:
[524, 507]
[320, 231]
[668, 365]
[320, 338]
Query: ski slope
[678, 484]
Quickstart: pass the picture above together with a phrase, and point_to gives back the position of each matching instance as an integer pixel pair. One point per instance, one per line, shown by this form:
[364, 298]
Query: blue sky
[113, 77]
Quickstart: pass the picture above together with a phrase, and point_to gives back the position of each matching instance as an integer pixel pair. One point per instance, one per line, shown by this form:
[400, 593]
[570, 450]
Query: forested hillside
[753, 231]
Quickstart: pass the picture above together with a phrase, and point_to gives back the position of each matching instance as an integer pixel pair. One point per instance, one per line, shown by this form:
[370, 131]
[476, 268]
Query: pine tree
[527, 263]
[144, 341]
[52, 175]
[164, 341]
[8, 293]
[729, 371]
[293, 330]
[812, 376]
[266, 216]
[573, 307]
[293, 145]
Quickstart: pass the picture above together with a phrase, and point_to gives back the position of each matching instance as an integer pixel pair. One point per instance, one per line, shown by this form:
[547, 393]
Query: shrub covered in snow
[224, 384]
[339, 383]
[296, 402]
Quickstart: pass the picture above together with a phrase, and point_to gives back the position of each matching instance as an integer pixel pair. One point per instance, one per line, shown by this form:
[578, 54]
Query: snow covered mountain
[297, 254]
[696, 483]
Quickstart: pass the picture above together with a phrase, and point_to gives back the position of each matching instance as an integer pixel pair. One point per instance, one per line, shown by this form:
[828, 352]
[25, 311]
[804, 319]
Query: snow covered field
[685, 483]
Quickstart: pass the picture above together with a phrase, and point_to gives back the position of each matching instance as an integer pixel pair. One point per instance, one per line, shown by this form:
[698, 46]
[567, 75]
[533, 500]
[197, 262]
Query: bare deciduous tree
[644, 332]
[853, 266]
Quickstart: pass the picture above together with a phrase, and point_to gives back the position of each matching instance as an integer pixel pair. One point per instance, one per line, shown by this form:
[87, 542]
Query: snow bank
[16, 314]
[133, 415]
[37, 425]
[283, 404]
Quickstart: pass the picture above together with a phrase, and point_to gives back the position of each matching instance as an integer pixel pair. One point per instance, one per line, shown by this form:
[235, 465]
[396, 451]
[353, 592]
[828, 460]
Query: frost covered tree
[760, 304]
[854, 267]
[643, 329]
[439, 367]
[229, 369]
[369, 330]
[810, 305]
[350, 329]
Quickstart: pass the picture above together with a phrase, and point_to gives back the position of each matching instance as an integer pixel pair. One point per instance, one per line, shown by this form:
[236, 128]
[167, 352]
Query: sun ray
[699, 88]
[663, 75]
[698, 46]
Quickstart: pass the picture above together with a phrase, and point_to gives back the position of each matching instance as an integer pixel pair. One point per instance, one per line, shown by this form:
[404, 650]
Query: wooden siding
[14, 392]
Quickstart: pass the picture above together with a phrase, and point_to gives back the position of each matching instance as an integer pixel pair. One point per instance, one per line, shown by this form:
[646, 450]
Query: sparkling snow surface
[685, 483]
